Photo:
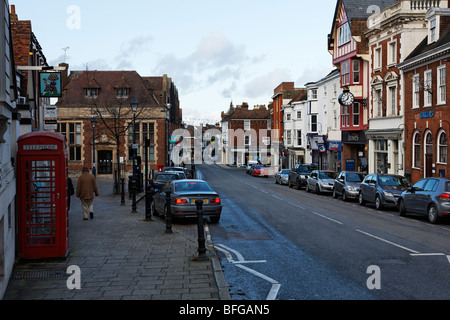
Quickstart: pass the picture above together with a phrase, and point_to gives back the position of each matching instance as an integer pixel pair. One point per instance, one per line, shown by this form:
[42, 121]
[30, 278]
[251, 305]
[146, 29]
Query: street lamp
[93, 123]
[134, 107]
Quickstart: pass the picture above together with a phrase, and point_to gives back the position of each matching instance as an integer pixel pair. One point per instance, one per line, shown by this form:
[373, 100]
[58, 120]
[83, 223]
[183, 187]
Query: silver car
[282, 176]
[183, 194]
[321, 181]
[430, 197]
[347, 185]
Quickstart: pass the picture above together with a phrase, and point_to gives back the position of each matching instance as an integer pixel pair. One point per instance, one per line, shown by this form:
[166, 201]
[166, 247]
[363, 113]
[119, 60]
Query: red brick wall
[414, 122]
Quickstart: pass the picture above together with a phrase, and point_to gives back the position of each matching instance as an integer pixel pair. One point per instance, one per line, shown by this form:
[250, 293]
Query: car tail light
[215, 200]
[181, 201]
[445, 196]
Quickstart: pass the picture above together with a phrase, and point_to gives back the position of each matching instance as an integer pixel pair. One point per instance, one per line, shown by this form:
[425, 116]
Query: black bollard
[168, 213]
[122, 195]
[148, 202]
[134, 188]
[201, 231]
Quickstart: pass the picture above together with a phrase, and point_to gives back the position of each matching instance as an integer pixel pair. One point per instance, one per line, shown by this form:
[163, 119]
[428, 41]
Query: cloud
[215, 59]
[263, 85]
[130, 49]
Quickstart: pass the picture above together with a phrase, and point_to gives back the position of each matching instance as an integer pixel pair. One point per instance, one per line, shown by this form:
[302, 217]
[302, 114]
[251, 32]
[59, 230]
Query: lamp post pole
[94, 123]
[134, 106]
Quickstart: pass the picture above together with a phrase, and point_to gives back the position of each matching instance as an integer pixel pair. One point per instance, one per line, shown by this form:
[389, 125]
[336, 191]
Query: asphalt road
[286, 244]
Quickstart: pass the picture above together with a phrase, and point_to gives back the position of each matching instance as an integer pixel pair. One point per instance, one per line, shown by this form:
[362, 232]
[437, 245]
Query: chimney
[13, 16]
[64, 74]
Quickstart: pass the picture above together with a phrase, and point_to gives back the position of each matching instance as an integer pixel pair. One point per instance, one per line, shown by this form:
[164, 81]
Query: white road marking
[387, 241]
[320, 215]
[275, 285]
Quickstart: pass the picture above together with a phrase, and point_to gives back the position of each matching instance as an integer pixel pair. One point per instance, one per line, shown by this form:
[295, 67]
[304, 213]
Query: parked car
[282, 176]
[183, 194]
[382, 189]
[321, 181]
[181, 174]
[260, 171]
[180, 169]
[160, 179]
[250, 163]
[430, 197]
[347, 185]
[299, 175]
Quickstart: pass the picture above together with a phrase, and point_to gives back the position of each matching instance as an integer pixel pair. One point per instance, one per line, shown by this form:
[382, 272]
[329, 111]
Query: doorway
[104, 162]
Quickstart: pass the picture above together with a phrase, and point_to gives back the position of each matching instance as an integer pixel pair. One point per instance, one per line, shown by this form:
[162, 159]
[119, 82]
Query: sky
[216, 52]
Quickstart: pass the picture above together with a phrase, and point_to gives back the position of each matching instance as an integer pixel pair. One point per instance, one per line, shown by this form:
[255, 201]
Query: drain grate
[40, 274]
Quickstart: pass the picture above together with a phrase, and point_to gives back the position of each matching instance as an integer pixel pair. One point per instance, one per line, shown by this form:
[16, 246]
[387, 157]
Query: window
[428, 143]
[344, 34]
[427, 89]
[299, 114]
[72, 132]
[416, 91]
[148, 132]
[246, 125]
[314, 123]
[289, 137]
[345, 116]
[416, 151]
[248, 140]
[378, 102]
[345, 73]
[356, 71]
[442, 90]
[312, 94]
[288, 116]
[432, 31]
[91, 92]
[431, 185]
[299, 137]
[122, 92]
[377, 59]
[392, 100]
[392, 53]
[356, 107]
[442, 147]
[381, 154]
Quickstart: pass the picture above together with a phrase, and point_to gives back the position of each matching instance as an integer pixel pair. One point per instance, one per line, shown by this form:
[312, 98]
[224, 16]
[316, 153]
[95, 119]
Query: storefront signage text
[427, 114]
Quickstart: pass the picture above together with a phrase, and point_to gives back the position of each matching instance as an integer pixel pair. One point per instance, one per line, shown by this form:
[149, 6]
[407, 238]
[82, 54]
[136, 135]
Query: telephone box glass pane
[40, 198]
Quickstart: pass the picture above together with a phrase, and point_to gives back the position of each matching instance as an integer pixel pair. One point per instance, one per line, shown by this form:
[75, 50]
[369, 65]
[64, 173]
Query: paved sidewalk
[123, 257]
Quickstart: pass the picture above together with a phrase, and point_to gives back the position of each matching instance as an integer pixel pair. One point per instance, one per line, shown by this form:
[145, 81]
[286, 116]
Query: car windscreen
[394, 181]
[327, 175]
[192, 186]
[165, 177]
[355, 177]
[285, 171]
[306, 169]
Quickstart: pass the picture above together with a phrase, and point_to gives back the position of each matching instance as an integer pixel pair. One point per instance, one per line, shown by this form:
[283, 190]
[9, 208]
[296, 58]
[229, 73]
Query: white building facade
[9, 132]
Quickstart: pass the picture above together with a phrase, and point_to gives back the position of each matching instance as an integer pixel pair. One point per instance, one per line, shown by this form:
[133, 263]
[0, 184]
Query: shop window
[381, 155]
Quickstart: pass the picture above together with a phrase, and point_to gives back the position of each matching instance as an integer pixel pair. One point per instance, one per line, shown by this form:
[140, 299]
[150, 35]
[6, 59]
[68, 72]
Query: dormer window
[91, 92]
[122, 92]
[432, 32]
[344, 34]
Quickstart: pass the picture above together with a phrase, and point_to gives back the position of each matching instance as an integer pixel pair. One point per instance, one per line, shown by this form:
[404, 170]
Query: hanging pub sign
[50, 84]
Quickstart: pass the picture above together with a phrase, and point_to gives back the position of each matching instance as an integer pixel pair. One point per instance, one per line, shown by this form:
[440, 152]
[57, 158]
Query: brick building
[427, 118]
[246, 133]
[392, 34]
[103, 98]
[28, 54]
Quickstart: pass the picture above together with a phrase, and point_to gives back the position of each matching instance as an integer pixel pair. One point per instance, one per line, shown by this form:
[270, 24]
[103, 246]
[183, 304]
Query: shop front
[354, 151]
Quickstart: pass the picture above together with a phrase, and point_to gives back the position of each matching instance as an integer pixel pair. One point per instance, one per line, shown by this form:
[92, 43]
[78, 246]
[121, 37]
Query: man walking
[86, 188]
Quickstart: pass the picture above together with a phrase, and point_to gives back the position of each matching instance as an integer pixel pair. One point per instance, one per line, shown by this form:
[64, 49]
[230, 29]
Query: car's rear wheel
[433, 214]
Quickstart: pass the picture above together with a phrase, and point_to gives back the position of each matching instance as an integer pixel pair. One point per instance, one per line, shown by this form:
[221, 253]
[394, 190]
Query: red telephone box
[42, 195]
